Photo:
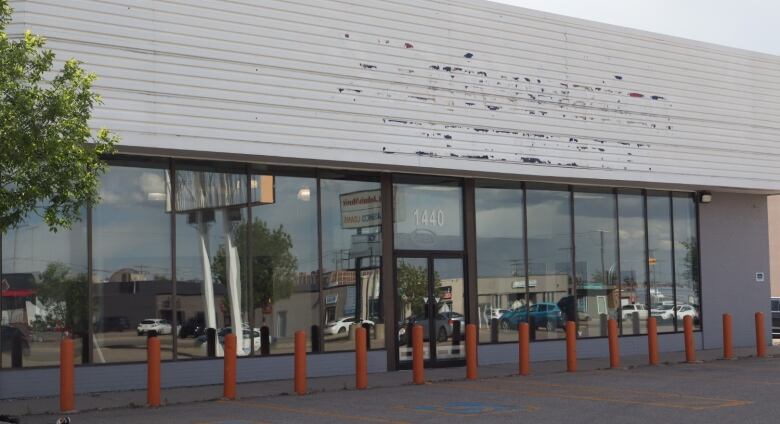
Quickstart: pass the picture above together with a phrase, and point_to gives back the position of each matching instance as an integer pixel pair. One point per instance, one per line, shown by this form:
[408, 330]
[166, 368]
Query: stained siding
[466, 86]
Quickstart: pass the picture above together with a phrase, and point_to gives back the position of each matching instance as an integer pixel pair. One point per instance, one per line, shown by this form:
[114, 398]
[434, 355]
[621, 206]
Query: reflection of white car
[666, 312]
[161, 326]
[341, 326]
[627, 311]
[496, 313]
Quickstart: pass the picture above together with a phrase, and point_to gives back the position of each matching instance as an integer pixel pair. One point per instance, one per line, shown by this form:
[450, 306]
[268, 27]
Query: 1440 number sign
[429, 217]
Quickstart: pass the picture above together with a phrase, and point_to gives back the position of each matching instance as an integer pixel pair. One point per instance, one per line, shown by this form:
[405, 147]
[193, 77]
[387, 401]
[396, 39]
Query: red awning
[18, 293]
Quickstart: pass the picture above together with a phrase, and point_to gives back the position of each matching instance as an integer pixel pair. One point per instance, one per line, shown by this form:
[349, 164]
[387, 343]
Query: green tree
[64, 296]
[50, 160]
[413, 286]
[274, 267]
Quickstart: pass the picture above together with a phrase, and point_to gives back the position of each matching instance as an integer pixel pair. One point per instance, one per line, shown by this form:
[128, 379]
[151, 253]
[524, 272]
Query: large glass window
[428, 216]
[285, 261]
[43, 293]
[501, 282]
[131, 245]
[634, 306]
[551, 299]
[596, 267]
[659, 231]
[351, 258]
[211, 269]
[686, 259]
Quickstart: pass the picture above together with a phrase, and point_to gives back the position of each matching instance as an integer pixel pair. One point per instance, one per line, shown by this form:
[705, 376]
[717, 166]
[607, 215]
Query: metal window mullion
[618, 268]
[249, 288]
[320, 272]
[674, 262]
[698, 265]
[525, 253]
[90, 288]
[647, 252]
[174, 296]
[573, 258]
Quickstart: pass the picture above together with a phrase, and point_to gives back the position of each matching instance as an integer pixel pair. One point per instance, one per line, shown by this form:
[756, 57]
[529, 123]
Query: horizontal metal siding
[450, 85]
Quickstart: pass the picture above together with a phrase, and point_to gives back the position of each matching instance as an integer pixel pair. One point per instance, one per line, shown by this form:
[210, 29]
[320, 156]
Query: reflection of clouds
[503, 222]
[131, 186]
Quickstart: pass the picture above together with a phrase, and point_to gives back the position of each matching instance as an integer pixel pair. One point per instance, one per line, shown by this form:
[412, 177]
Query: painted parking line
[635, 397]
[467, 409]
[317, 412]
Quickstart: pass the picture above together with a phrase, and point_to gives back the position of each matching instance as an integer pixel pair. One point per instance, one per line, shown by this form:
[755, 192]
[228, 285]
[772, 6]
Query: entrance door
[431, 292]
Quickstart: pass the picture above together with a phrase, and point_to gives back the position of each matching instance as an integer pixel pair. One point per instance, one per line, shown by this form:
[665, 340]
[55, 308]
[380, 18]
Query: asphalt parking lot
[743, 391]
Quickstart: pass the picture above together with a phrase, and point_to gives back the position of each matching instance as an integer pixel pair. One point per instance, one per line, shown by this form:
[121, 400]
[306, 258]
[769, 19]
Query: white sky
[747, 24]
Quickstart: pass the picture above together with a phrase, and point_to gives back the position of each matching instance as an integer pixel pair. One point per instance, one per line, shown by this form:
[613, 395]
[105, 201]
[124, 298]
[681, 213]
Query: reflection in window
[686, 259]
[211, 260]
[132, 265]
[44, 293]
[549, 261]
[285, 265]
[633, 264]
[428, 217]
[351, 254]
[595, 247]
[659, 231]
[501, 282]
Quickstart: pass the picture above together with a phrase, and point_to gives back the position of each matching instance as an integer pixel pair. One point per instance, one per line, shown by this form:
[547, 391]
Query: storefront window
[131, 280]
[211, 269]
[501, 282]
[351, 259]
[43, 293]
[596, 268]
[285, 292]
[634, 306]
[428, 216]
[551, 300]
[686, 259]
[659, 231]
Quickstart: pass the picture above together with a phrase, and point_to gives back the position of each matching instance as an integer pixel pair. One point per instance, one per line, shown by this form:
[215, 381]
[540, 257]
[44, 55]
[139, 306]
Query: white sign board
[361, 209]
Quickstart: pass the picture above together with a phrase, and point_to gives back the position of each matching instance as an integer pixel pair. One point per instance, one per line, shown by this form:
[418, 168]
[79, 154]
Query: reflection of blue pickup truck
[776, 317]
[547, 315]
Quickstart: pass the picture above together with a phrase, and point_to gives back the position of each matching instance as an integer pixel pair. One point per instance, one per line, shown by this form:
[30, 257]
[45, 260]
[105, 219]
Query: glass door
[430, 292]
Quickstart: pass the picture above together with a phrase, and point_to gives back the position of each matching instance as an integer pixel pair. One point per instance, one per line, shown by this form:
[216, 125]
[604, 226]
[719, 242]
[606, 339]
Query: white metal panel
[457, 86]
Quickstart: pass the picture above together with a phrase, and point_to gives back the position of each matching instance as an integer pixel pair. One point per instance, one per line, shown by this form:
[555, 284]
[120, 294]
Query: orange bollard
[418, 364]
[652, 341]
[300, 362]
[229, 379]
[571, 346]
[471, 351]
[614, 347]
[153, 371]
[728, 348]
[690, 351]
[524, 350]
[760, 336]
[67, 387]
[361, 359]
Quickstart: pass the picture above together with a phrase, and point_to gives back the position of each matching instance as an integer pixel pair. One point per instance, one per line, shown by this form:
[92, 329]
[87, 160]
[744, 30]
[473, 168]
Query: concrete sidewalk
[137, 398]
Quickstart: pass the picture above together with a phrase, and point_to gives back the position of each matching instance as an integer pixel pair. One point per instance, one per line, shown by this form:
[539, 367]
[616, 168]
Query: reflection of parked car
[341, 326]
[192, 328]
[113, 324]
[667, 312]
[7, 336]
[161, 326]
[686, 310]
[627, 311]
[663, 312]
[247, 340]
[546, 315]
[455, 316]
[443, 328]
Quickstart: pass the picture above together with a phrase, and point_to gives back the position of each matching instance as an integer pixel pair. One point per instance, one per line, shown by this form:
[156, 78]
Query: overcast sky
[746, 24]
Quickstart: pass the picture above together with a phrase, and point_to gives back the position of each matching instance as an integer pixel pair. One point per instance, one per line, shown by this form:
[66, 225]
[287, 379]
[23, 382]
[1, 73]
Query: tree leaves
[50, 159]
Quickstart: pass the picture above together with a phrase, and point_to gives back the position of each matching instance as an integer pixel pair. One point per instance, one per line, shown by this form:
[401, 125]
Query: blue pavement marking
[465, 408]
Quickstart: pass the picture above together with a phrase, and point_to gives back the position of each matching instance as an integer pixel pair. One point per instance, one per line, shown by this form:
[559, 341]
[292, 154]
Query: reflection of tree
[690, 261]
[413, 286]
[274, 265]
[64, 297]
